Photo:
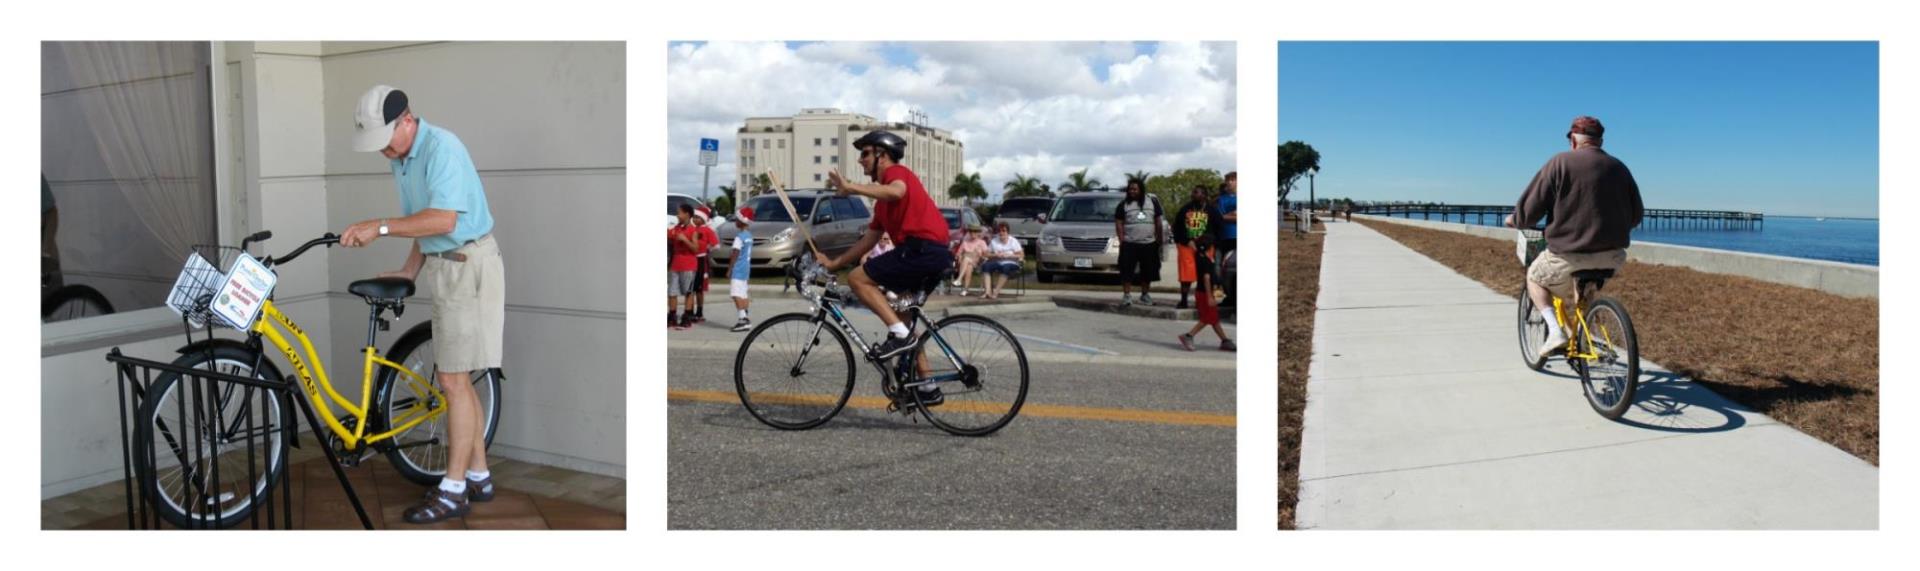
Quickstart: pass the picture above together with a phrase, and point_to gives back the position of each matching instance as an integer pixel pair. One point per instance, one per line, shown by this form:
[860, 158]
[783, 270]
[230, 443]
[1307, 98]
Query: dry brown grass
[1299, 290]
[1806, 358]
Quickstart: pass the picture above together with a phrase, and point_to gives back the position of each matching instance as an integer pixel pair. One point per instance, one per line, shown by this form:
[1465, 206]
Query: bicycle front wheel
[74, 302]
[1533, 332]
[207, 454]
[981, 372]
[420, 453]
[787, 378]
[1610, 377]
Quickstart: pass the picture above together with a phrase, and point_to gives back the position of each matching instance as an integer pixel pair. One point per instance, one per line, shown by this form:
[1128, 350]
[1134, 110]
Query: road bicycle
[1601, 346]
[787, 380]
[186, 439]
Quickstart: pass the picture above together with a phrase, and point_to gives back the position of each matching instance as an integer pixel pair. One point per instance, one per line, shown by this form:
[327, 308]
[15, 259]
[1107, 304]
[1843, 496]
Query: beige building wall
[800, 149]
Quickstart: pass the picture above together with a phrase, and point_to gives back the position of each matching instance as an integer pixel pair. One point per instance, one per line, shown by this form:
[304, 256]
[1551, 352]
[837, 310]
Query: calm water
[1851, 241]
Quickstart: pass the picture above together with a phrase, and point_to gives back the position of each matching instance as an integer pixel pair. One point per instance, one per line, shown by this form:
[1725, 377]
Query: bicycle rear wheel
[784, 376]
[1533, 332]
[989, 385]
[207, 456]
[1609, 379]
[420, 453]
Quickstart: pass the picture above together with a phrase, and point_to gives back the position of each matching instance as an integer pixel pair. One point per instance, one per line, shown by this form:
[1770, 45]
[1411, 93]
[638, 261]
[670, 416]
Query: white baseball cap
[374, 117]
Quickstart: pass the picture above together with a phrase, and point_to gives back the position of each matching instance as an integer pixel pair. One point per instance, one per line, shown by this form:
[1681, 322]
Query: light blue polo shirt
[437, 173]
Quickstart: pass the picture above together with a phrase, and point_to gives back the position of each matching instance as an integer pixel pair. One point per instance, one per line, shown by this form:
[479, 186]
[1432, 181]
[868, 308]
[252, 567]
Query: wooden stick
[792, 213]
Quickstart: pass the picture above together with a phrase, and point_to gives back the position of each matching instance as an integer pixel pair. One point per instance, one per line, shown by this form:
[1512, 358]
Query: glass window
[816, 141]
[126, 172]
[783, 144]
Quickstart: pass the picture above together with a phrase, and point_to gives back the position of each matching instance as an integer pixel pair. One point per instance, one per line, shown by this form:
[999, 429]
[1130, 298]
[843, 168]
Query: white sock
[1553, 325]
[898, 329]
[480, 475]
[453, 486]
[743, 314]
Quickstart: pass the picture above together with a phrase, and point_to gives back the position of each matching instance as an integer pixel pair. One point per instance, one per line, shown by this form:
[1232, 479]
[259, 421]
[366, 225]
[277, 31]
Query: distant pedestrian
[681, 266]
[1004, 256]
[742, 266]
[708, 239]
[1196, 218]
[1209, 315]
[1137, 223]
[1229, 240]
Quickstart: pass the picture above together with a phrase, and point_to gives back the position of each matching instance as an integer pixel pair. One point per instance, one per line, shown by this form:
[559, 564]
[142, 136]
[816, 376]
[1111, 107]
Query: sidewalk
[1420, 415]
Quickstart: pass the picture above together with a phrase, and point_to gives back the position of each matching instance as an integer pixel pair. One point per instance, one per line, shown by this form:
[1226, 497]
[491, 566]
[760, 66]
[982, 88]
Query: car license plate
[1083, 262]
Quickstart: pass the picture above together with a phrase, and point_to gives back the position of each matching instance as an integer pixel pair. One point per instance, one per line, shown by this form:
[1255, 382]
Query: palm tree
[1079, 182]
[724, 205]
[1023, 185]
[1141, 176]
[761, 183]
[966, 187]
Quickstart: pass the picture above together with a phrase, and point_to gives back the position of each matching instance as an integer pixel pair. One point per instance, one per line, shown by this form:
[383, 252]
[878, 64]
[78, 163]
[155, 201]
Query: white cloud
[1039, 109]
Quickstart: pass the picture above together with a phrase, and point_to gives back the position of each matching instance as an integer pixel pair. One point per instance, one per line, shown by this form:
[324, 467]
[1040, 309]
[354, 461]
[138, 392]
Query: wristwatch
[383, 227]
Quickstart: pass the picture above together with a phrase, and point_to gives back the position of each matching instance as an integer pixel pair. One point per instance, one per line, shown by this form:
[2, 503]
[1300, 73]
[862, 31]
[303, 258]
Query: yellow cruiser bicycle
[400, 410]
[1601, 346]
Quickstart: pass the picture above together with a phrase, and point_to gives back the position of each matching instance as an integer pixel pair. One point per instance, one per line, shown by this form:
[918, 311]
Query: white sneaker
[1556, 344]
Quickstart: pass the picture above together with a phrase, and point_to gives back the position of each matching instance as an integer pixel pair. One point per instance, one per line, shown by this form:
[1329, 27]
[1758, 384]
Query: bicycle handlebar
[328, 239]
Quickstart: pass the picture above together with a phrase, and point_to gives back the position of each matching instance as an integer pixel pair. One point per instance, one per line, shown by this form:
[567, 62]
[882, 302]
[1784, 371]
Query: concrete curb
[990, 309]
[1111, 305]
[1850, 280]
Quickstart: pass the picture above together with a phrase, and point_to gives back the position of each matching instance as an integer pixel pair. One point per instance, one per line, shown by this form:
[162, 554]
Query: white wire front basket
[1528, 244]
[200, 280]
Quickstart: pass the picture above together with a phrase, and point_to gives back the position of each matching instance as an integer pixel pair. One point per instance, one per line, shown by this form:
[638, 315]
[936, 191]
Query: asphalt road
[1122, 430]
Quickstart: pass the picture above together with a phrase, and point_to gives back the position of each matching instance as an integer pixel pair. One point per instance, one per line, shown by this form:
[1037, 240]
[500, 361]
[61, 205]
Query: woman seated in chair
[967, 256]
[1004, 257]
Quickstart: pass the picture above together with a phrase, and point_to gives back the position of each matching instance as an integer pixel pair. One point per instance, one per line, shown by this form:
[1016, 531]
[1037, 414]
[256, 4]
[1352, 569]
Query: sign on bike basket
[205, 294]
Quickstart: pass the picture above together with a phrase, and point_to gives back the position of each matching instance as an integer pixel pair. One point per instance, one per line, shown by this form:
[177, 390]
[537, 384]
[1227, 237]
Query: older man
[1595, 204]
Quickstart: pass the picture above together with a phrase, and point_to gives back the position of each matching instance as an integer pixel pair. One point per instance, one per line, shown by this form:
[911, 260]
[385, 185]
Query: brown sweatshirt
[1592, 197]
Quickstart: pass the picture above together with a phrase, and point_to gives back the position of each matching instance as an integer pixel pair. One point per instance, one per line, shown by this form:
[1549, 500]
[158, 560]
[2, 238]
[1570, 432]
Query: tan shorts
[469, 307]
[1555, 271]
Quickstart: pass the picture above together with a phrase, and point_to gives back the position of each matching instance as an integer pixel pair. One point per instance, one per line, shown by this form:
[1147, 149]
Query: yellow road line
[1030, 409]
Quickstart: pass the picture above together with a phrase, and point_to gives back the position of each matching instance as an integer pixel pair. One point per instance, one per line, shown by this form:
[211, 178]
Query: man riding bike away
[904, 212]
[1595, 205]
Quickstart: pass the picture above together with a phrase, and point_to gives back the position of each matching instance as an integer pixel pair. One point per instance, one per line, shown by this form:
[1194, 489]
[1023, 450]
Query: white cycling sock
[453, 486]
[898, 329]
[480, 475]
[1553, 325]
[743, 314]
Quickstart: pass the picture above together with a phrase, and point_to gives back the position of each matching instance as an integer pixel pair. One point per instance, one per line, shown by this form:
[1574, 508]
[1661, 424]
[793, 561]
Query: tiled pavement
[530, 496]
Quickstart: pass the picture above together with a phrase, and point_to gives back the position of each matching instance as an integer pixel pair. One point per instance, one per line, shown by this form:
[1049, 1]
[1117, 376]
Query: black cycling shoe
[892, 347]
[931, 398]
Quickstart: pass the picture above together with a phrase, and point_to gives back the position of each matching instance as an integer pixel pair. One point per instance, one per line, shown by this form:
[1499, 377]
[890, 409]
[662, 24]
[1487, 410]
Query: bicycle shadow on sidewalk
[736, 418]
[1669, 402]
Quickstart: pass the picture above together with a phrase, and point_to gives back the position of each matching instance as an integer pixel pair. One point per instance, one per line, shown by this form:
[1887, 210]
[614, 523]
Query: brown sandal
[439, 505]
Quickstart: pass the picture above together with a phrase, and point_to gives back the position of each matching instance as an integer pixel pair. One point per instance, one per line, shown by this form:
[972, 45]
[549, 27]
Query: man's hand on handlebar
[360, 233]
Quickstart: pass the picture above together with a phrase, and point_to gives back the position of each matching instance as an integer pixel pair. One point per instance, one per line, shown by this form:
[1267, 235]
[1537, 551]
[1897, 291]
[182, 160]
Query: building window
[816, 141]
[836, 159]
[749, 143]
[783, 144]
[836, 141]
[816, 159]
[816, 177]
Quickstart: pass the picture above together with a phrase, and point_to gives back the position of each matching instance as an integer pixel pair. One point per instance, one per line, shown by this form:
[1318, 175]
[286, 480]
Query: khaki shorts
[469, 307]
[1555, 271]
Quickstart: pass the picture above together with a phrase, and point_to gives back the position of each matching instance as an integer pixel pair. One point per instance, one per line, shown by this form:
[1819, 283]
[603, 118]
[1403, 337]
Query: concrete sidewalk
[1420, 415]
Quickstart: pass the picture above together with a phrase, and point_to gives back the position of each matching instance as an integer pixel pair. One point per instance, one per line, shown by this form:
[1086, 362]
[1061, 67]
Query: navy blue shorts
[910, 266]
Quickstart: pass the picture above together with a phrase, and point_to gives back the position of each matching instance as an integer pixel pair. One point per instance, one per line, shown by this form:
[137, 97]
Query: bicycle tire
[74, 302]
[150, 462]
[1001, 394]
[1610, 395]
[414, 453]
[1533, 332]
[786, 403]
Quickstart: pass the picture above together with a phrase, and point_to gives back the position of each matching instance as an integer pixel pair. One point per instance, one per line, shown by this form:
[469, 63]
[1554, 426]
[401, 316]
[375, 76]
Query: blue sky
[1776, 127]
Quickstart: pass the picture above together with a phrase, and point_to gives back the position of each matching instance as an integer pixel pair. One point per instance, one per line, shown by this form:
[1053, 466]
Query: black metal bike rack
[203, 393]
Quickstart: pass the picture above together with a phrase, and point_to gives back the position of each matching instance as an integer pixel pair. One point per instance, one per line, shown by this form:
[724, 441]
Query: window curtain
[149, 118]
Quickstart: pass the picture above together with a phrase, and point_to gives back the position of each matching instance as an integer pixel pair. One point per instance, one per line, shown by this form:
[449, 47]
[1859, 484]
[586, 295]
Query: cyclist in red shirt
[905, 213]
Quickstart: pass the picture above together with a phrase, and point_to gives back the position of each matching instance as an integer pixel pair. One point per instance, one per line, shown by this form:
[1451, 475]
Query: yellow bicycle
[186, 439]
[1601, 346]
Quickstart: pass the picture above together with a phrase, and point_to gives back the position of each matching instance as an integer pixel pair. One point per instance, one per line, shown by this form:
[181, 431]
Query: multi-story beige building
[802, 148]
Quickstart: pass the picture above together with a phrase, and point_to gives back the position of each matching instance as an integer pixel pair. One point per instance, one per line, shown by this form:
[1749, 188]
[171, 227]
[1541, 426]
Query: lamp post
[1311, 203]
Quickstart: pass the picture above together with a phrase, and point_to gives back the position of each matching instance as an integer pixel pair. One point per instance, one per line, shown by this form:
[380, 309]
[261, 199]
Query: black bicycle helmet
[895, 146]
